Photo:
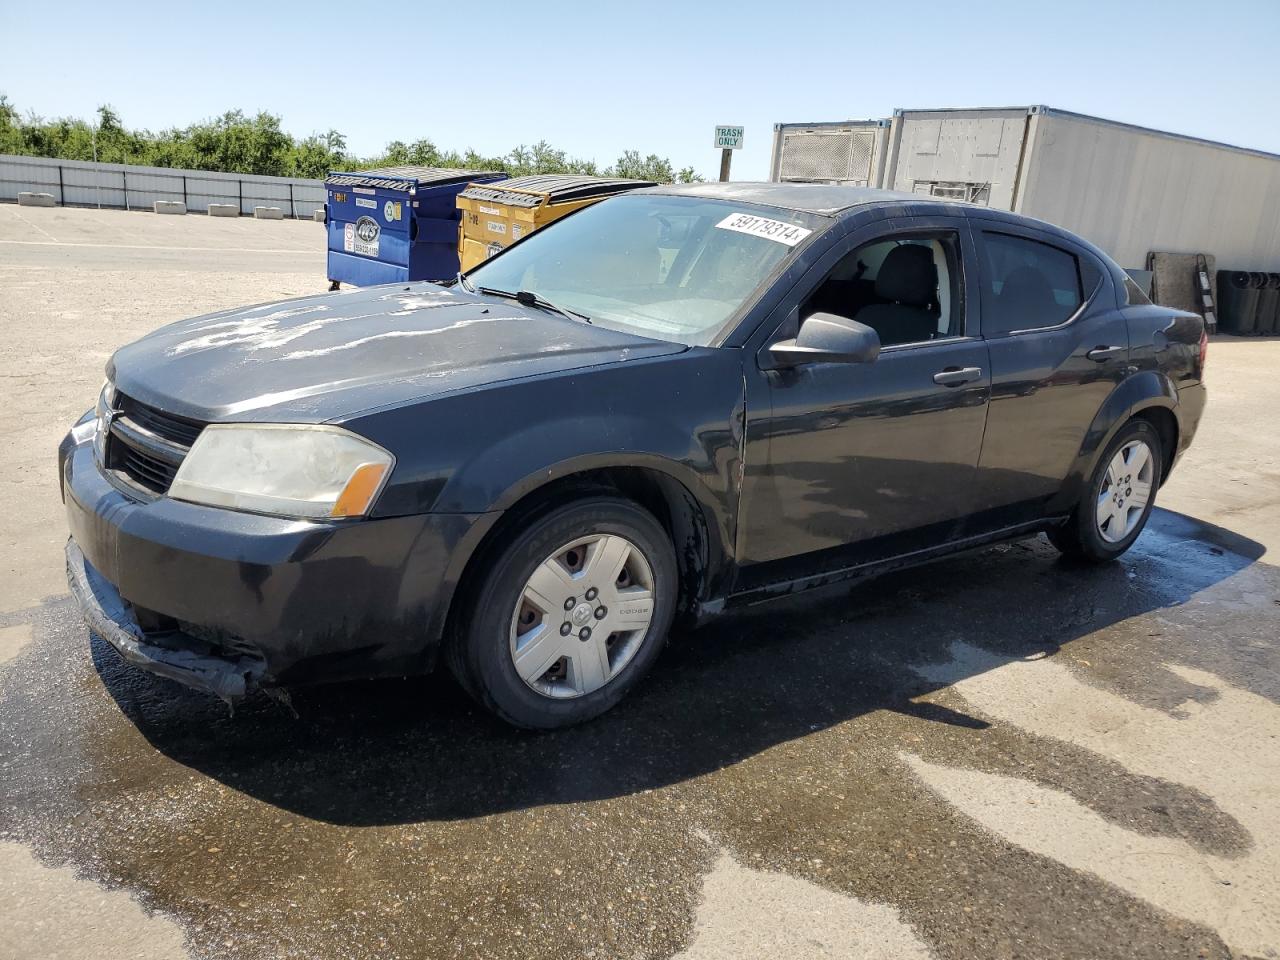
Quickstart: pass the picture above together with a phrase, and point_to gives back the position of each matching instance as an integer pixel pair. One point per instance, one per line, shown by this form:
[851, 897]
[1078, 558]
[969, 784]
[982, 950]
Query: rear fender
[1143, 390]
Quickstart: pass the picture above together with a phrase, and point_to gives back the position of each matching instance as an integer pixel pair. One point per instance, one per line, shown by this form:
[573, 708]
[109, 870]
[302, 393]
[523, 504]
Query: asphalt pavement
[998, 755]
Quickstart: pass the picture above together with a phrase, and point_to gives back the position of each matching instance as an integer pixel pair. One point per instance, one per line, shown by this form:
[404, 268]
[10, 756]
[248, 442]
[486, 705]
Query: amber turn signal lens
[357, 496]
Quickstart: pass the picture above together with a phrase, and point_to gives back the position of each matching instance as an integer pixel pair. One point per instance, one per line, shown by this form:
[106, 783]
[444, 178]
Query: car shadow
[403, 751]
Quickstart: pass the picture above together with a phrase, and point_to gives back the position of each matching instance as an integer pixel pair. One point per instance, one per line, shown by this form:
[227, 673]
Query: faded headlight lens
[102, 422]
[288, 470]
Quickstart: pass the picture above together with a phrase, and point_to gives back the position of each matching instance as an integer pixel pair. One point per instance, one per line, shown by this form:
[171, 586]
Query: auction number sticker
[775, 230]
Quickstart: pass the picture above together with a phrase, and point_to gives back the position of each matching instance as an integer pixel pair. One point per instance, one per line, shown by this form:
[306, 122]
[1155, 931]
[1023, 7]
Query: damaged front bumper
[170, 653]
[224, 601]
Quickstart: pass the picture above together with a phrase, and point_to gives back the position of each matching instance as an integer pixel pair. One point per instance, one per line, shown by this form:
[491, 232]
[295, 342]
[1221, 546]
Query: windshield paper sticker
[763, 227]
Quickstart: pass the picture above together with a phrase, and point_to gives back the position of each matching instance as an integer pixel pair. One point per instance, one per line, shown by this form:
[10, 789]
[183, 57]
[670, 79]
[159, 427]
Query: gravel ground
[999, 755]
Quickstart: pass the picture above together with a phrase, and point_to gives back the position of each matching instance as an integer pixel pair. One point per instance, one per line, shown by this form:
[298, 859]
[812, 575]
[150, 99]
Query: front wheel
[1118, 500]
[569, 615]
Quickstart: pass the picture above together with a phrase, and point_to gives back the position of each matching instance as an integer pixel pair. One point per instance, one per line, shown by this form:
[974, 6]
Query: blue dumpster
[395, 224]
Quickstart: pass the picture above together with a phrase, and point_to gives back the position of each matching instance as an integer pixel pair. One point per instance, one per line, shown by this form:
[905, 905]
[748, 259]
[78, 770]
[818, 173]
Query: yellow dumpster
[496, 215]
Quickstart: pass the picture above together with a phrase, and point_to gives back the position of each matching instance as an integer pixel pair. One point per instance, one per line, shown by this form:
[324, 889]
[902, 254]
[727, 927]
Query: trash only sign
[728, 138]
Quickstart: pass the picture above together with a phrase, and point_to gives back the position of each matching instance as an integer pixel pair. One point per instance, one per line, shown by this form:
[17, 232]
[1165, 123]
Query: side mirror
[828, 338]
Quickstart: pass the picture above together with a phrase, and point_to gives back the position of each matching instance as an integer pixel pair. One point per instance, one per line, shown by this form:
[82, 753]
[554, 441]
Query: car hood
[327, 357]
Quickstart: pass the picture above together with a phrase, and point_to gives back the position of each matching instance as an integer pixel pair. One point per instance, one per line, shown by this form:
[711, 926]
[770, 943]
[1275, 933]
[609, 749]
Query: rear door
[1058, 346]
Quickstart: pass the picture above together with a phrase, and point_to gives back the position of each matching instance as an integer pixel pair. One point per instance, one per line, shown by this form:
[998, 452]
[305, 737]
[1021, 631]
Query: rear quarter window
[1133, 294]
[1027, 284]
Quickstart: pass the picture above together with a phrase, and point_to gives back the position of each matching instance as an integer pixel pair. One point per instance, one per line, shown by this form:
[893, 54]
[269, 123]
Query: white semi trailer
[1129, 189]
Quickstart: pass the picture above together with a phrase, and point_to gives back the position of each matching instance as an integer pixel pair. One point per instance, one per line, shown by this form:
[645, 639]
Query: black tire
[1080, 538]
[480, 653]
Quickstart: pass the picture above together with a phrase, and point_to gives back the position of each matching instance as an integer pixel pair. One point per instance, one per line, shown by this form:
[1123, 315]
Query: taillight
[1204, 350]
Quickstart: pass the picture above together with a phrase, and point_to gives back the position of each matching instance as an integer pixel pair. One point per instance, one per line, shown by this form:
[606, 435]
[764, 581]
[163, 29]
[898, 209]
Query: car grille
[175, 429]
[146, 446]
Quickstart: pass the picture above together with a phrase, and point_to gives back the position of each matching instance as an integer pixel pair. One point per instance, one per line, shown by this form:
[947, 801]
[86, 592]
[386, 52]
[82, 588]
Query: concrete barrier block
[224, 210]
[36, 200]
[318, 215]
[268, 213]
[170, 206]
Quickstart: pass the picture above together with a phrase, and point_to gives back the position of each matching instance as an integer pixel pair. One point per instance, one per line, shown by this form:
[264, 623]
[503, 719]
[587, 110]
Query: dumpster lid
[534, 190]
[403, 178]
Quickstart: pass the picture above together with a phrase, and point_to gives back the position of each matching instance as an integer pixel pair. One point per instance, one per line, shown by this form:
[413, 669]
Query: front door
[848, 463]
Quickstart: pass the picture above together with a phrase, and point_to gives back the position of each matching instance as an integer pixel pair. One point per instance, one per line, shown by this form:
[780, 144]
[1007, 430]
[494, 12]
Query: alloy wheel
[1125, 492]
[582, 616]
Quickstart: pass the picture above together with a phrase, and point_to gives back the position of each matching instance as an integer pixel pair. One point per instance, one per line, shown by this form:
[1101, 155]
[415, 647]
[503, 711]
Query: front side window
[1028, 284]
[905, 288]
[669, 267]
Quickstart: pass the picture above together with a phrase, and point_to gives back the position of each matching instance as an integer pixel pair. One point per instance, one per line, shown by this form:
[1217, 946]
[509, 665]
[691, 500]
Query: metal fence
[84, 184]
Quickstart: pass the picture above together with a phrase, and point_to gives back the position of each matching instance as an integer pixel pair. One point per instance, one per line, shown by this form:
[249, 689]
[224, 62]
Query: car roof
[823, 198]
[833, 199]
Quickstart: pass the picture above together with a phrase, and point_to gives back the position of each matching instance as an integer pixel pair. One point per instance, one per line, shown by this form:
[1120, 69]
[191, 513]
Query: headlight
[102, 423]
[106, 398]
[289, 470]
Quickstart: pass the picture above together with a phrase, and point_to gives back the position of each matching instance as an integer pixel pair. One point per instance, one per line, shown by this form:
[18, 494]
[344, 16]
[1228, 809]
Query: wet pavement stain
[394, 819]
[1229, 747]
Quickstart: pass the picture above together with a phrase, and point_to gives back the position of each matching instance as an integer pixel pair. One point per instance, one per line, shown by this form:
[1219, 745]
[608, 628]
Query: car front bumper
[224, 601]
[217, 671]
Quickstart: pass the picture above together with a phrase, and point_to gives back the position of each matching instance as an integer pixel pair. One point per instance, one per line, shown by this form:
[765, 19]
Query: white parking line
[157, 246]
[37, 226]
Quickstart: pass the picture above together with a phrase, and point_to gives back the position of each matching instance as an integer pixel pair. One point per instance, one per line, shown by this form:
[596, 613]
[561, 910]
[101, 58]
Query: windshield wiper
[527, 298]
[460, 280]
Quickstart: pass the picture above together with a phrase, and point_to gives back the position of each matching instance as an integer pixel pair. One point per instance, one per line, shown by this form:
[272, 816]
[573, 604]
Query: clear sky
[598, 78]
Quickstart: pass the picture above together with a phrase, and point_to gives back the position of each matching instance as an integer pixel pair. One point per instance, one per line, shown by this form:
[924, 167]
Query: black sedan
[665, 405]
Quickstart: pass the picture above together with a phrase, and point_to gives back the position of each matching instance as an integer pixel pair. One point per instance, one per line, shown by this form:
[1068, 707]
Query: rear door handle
[955, 376]
[1103, 354]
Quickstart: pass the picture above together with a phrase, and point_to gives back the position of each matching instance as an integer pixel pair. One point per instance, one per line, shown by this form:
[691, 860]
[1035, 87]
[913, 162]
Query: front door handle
[1103, 354]
[955, 376]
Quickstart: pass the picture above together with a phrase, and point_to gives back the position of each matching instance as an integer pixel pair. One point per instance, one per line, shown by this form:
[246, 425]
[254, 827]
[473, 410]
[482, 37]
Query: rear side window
[1028, 284]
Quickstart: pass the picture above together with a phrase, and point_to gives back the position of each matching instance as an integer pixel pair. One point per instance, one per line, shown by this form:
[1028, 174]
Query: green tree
[318, 154]
[236, 143]
[652, 167]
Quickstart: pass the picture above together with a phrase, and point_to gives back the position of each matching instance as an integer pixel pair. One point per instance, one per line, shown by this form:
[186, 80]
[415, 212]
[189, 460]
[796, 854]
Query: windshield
[668, 267]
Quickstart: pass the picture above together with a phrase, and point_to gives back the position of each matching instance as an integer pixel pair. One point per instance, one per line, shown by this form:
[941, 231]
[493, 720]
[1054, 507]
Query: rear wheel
[569, 615]
[1118, 500]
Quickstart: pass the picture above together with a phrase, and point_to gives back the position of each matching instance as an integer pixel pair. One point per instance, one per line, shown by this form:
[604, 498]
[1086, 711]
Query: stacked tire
[1267, 314]
[1249, 302]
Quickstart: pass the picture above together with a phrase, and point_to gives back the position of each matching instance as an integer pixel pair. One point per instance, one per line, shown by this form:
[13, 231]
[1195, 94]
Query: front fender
[692, 480]
[1139, 391]
[705, 526]
[478, 452]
